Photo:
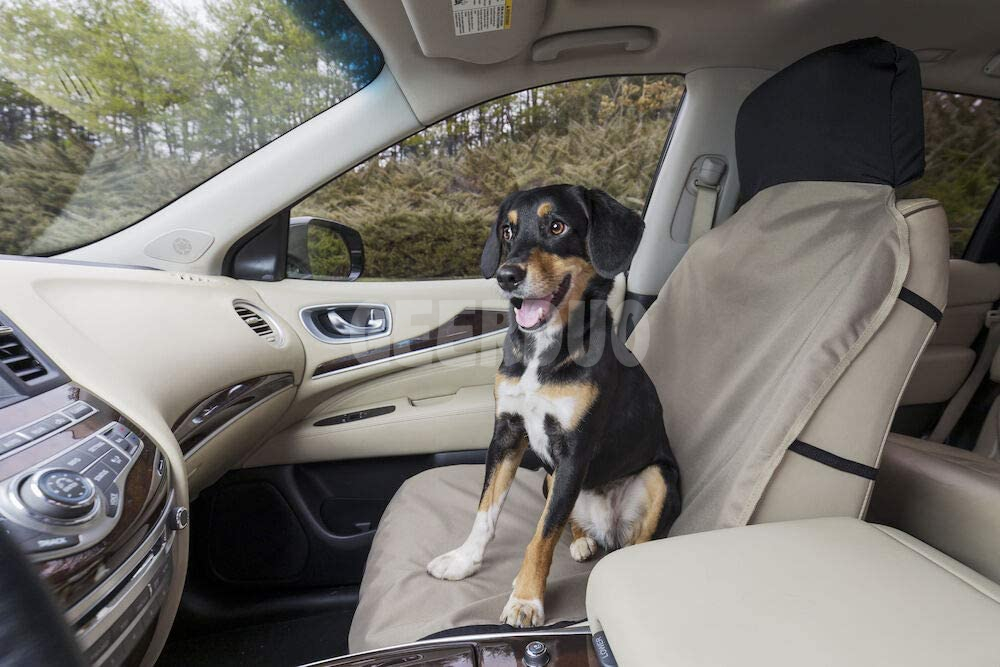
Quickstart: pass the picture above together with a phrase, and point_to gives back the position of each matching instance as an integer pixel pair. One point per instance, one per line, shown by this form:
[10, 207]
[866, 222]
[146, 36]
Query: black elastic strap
[920, 303]
[832, 460]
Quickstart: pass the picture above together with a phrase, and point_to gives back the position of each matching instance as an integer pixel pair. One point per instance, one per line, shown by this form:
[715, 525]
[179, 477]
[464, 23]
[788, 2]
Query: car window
[110, 109]
[424, 206]
[962, 153]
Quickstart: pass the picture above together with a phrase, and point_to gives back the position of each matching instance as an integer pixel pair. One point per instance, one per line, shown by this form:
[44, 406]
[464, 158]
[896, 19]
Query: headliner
[690, 35]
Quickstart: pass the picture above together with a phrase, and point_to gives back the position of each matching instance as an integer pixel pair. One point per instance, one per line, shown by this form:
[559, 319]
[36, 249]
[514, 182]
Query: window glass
[424, 206]
[962, 154]
[110, 109]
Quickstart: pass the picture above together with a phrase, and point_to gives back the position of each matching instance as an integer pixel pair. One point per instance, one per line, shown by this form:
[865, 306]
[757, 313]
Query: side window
[424, 206]
[962, 138]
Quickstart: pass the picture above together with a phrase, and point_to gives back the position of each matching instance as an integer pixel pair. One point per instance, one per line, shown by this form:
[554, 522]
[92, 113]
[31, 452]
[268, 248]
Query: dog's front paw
[583, 548]
[454, 565]
[523, 613]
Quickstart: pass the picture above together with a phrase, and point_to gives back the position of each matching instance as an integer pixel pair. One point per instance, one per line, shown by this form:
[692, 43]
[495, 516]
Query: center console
[87, 495]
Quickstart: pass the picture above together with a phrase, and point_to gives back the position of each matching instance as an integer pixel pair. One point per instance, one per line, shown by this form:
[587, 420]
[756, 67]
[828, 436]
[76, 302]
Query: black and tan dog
[566, 390]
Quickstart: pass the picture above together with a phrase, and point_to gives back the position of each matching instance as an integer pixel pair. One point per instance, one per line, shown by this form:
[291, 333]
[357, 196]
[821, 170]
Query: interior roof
[694, 34]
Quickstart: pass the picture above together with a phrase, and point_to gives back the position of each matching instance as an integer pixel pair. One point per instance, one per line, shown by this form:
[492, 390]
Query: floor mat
[282, 643]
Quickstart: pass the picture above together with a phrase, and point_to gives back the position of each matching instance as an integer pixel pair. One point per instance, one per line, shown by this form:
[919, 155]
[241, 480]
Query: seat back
[779, 345]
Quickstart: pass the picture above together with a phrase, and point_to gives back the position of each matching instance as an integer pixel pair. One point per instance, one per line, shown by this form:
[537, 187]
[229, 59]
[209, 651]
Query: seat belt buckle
[992, 317]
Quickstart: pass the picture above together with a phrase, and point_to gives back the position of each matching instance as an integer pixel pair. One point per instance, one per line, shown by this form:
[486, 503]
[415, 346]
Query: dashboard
[123, 392]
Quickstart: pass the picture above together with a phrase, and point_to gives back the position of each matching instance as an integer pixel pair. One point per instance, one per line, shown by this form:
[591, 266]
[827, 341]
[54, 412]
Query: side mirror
[321, 249]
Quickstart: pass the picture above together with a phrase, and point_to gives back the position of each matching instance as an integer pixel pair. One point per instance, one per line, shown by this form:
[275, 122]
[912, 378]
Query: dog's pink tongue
[532, 311]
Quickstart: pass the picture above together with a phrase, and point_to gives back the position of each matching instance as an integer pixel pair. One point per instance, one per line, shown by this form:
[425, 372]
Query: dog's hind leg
[661, 505]
[504, 456]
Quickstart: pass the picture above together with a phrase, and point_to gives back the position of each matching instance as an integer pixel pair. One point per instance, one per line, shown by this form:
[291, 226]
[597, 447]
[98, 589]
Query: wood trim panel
[469, 323]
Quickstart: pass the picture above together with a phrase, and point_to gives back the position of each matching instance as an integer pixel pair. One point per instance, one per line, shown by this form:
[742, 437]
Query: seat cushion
[431, 514]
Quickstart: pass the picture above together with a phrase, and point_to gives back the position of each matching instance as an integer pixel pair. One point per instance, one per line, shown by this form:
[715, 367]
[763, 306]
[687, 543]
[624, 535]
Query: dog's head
[554, 240]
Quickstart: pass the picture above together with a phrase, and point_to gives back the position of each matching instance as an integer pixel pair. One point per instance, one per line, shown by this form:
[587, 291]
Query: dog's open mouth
[534, 313]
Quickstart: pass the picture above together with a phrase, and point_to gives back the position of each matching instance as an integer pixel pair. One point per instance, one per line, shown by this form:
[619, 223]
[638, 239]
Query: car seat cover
[755, 326]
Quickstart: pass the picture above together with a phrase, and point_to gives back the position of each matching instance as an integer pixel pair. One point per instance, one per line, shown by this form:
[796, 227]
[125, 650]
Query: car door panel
[454, 364]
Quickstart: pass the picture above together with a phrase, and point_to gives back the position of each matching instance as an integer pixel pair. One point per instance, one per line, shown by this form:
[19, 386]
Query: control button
[38, 429]
[179, 518]
[536, 654]
[95, 447]
[117, 440]
[12, 441]
[115, 460]
[43, 542]
[58, 493]
[113, 498]
[102, 475]
[119, 429]
[133, 440]
[79, 410]
[75, 460]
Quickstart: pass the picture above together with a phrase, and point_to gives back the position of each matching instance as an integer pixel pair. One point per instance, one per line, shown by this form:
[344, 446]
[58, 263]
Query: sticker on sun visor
[475, 16]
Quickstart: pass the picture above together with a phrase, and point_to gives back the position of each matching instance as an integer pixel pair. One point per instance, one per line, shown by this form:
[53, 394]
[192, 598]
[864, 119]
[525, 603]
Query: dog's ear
[490, 261]
[613, 233]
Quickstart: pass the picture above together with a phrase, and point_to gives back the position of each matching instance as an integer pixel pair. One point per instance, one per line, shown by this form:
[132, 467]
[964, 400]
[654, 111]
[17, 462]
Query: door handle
[374, 325]
[347, 322]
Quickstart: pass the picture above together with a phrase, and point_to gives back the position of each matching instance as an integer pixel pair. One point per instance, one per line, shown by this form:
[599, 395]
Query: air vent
[17, 358]
[257, 322]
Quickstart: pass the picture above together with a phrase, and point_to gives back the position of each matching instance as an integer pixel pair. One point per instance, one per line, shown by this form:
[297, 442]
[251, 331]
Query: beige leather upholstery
[945, 496]
[832, 591]
[948, 359]
[854, 419]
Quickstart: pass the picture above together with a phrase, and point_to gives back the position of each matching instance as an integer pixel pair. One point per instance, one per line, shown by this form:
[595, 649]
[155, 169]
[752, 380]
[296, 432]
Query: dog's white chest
[527, 397]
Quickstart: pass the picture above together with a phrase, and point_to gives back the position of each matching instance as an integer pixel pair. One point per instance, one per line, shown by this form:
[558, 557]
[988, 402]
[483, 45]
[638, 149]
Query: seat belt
[960, 401]
[706, 186]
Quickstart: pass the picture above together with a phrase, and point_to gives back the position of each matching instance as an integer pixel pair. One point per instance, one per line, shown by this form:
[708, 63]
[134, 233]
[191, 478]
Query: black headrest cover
[851, 112]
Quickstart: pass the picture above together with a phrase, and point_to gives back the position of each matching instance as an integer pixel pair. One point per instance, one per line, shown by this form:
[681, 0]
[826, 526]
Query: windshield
[110, 109]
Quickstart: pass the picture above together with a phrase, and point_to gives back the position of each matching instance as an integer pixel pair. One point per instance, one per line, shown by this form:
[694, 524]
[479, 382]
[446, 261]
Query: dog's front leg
[504, 456]
[524, 608]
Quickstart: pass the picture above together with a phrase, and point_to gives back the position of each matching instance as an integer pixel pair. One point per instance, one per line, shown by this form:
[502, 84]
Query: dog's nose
[510, 276]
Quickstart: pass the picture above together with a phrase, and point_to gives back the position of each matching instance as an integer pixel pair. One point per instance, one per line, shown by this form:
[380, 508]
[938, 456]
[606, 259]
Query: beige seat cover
[988, 443]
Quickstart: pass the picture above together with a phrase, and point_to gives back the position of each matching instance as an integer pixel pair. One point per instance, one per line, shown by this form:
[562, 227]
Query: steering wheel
[32, 630]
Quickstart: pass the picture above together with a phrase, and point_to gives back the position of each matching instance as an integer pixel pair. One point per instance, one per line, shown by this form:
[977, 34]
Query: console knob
[536, 654]
[59, 494]
[178, 518]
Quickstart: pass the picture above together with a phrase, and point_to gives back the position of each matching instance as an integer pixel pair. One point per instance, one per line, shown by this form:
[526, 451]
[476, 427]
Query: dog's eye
[508, 232]
[557, 227]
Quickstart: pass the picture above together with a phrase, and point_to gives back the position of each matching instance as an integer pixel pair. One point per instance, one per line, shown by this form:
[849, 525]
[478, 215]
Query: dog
[570, 391]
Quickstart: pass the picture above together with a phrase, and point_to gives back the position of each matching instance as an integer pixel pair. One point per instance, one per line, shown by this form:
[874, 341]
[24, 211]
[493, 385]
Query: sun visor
[475, 31]
[848, 113]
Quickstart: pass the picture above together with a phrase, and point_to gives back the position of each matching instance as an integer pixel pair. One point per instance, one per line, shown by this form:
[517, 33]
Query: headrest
[851, 112]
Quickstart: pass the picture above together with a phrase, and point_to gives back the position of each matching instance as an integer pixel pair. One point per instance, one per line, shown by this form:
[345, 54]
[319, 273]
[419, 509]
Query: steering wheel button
[102, 475]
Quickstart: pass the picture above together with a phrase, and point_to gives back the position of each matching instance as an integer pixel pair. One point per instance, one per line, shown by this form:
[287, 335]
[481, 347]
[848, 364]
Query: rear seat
[946, 496]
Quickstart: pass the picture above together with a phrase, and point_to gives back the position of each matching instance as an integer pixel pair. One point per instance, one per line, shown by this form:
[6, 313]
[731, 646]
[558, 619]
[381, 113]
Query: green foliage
[962, 160]
[424, 208]
[137, 102]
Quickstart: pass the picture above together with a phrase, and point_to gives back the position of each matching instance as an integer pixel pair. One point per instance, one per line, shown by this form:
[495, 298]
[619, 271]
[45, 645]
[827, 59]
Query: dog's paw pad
[523, 613]
[452, 566]
[583, 548]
